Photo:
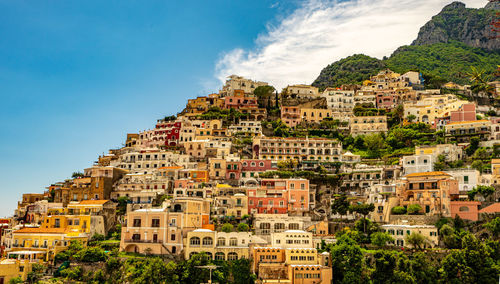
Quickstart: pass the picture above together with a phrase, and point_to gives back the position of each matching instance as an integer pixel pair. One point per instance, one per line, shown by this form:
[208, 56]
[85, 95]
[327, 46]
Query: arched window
[220, 256]
[221, 242]
[463, 209]
[207, 241]
[232, 256]
[194, 241]
[233, 242]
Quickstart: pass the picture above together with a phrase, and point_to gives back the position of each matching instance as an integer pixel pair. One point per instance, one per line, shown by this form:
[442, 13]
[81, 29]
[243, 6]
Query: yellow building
[463, 131]
[17, 264]
[218, 245]
[47, 241]
[364, 125]
[401, 231]
[313, 115]
[431, 107]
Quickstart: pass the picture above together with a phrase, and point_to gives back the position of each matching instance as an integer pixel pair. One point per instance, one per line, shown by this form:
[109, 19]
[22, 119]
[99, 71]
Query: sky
[76, 76]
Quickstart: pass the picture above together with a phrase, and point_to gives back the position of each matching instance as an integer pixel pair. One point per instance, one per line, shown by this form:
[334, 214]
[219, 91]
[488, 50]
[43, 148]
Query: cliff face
[458, 23]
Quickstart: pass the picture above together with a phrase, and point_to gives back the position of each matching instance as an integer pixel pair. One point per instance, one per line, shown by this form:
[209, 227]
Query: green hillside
[438, 62]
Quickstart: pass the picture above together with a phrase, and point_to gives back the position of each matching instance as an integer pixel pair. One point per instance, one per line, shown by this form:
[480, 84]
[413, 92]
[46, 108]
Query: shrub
[228, 228]
[414, 209]
[398, 210]
[242, 227]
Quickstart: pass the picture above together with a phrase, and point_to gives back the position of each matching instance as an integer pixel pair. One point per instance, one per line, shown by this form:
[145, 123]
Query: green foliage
[90, 254]
[398, 210]
[417, 240]
[414, 209]
[472, 264]
[72, 273]
[391, 267]
[243, 227]
[36, 273]
[16, 280]
[347, 261]
[350, 70]
[438, 62]
[483, 190]
[227, 227]
[121, 208]
[263, 91]
[77, 175]
[340, 205]
[494, 226]
[380, 239]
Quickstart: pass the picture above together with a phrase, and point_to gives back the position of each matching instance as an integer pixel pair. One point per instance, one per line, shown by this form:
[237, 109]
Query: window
[221, 241]
[233, 242]
[137, 223]
[155, 223]
[207, 241]
[232, 256]
[194, 241]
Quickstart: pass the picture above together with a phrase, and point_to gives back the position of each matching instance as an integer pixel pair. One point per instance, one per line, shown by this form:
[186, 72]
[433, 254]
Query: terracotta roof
[93, 202]
[467, 122]
[493, 208]
[41, 230]
[428, 174]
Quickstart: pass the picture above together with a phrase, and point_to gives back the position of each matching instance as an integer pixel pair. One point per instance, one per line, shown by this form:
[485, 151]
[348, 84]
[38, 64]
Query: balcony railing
[143, 241]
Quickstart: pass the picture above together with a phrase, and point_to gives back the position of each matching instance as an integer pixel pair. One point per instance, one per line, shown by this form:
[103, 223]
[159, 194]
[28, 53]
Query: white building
[418, 164]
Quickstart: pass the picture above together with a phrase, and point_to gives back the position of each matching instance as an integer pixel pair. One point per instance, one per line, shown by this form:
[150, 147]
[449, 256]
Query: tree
[340, 205]
[417, 240]
[494, 226]
[398, 210]
[484, 190]
[16, 280]
[121, 208]
[380, 239]
[473, 146]
[411, 118]
[363, 209]
[227, 228]
[471, 264]
[36, 273]
[374, 143]
[77, 175]
[347, 261]
[243, 227]
[414, 209]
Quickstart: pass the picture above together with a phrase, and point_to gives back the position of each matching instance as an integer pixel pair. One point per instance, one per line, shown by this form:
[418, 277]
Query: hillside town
[277, 178]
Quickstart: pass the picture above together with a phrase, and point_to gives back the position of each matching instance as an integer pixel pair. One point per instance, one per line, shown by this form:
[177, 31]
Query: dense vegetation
[446, 48]
[439, 63]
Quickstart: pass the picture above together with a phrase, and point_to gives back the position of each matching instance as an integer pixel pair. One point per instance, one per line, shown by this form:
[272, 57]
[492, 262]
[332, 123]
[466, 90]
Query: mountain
[445, 49]
[353, 69]
[457, 23]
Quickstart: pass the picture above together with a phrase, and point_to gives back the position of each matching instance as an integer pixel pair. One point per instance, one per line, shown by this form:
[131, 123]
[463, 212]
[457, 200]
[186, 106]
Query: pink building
[252, 168]
[468, 210]
[279, 196]
[467, 112]
[238, 101]
[290, 115]
[386, 99]
[233, 170]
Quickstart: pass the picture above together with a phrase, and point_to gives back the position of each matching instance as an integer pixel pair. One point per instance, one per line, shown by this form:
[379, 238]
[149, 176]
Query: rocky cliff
[458, 23]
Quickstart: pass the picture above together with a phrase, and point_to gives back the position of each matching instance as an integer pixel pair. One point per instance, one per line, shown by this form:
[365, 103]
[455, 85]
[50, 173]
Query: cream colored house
[364, 125]
[401, 232]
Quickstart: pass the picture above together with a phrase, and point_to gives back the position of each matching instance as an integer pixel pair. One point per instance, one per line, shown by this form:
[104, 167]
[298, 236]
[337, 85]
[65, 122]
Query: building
[401, 231]
[301, 92]
[302, 149]
[315, 115]
[418, 163]
[267, 224]
[279, 196]
[240, 83]
[462, 132]
[433, 191]
[364, 125]
[291, 115]
[161, 230]
[254, 128]
[218, 245]
[450, 152]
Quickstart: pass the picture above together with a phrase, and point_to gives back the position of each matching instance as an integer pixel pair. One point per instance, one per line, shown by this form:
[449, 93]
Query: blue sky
[76, 76]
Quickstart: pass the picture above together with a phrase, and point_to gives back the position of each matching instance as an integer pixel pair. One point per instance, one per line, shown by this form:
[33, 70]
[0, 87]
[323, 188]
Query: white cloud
[321, 31]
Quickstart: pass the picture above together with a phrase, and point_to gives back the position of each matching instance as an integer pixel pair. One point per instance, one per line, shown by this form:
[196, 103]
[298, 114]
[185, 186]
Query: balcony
[143, 241]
